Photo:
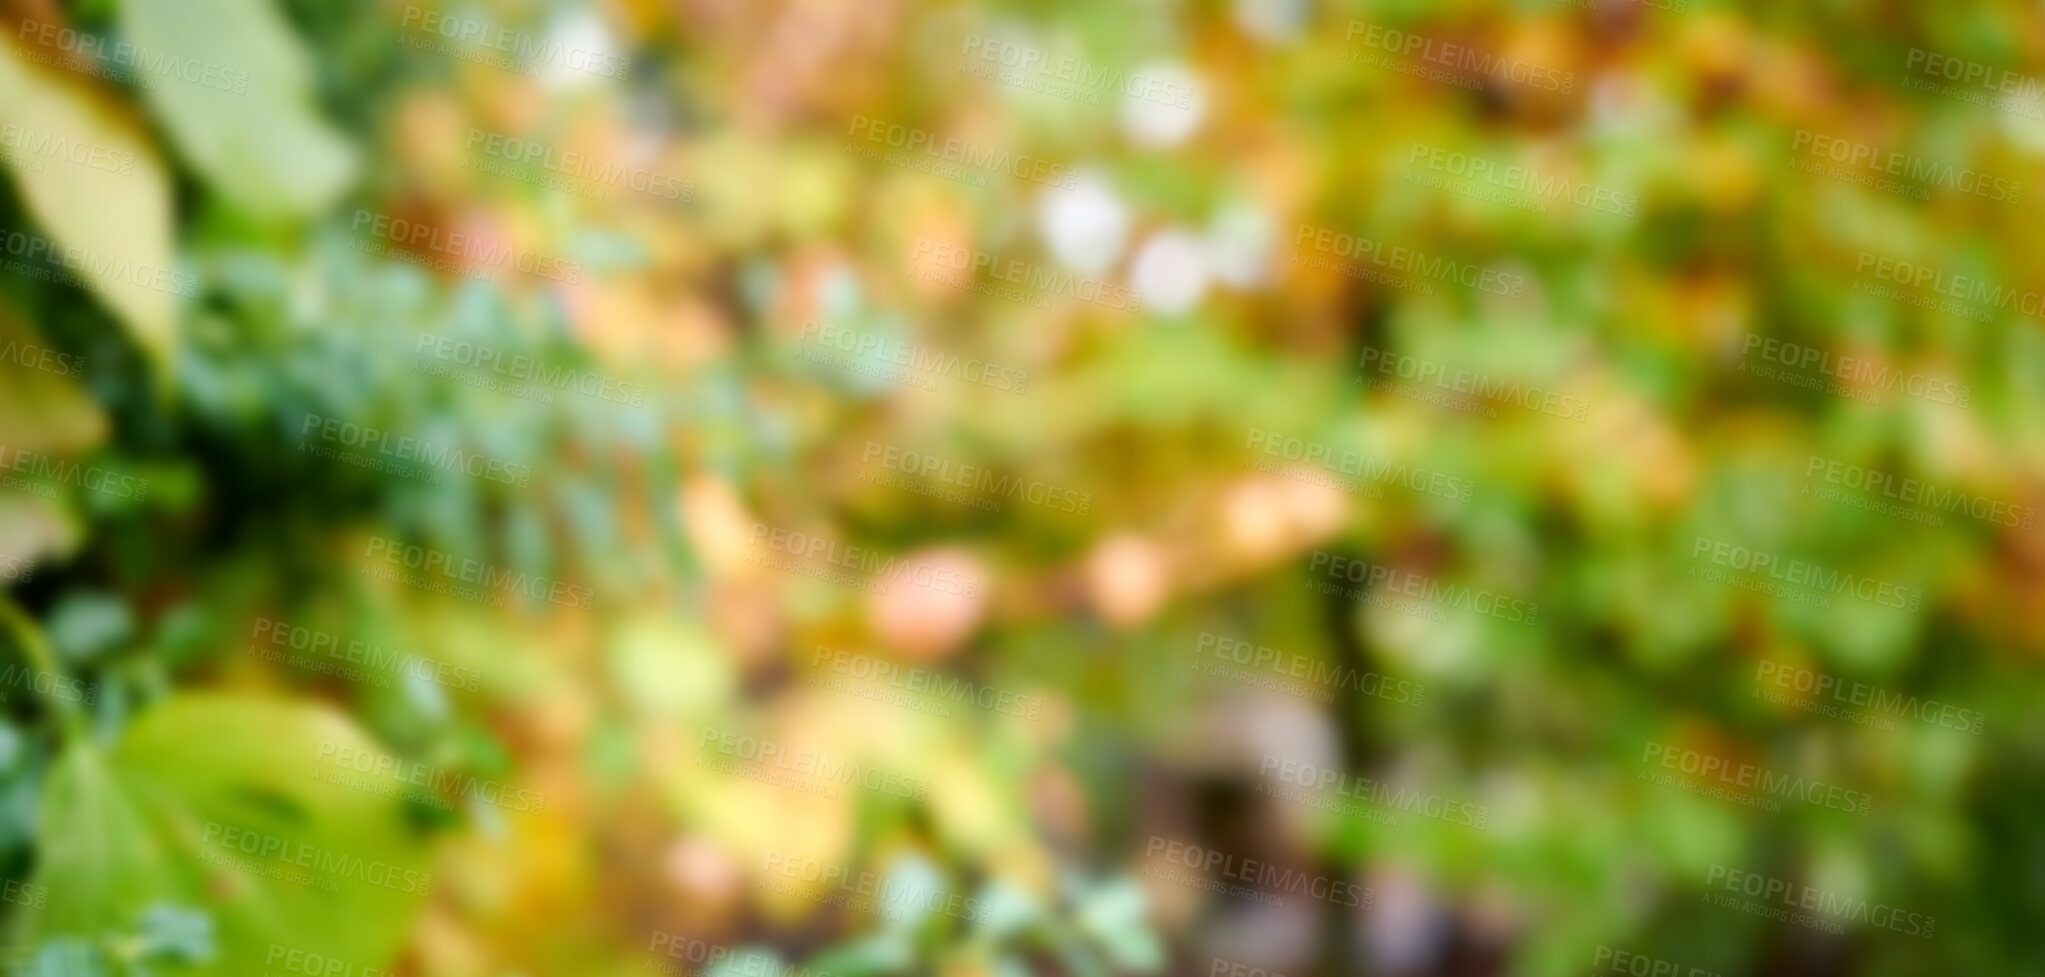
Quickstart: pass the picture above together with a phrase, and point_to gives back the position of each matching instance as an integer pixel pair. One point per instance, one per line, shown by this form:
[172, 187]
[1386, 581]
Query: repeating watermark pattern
[1859, 379]
[472, 580]
[1856, 702]
[1295, 674]
[328, 654]
[1331, 789]
[1417, 594]
[1889, 171]
[1974, 83]
[470, 256]
[1014, 280]
[1346, 471]
[403, 456]
[1397, 267]
[1214, 870]
[376, 772]
[32, 255]
[34, 357]
[901, 361]
[1907, 498]
[1744, 784]
[857, 567]
[1797, 581]
[1073, 79]
[123, 62]
[831, 884]
[577, 174]
[28, 148]
[260, 853]
[1906, 282]
[960, 160]
[1522, 188]
[1612, 960]
[517, 374]
[802, 770]
[1462, 66]
[1833, 910]
[44, 475]
[1465, 391]
[682, 956]
[915, 688]
[468, 39]
[976, 486]
[1669, 5]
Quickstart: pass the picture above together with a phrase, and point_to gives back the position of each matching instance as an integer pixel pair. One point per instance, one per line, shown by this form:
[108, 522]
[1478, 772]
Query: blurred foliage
[149, 713]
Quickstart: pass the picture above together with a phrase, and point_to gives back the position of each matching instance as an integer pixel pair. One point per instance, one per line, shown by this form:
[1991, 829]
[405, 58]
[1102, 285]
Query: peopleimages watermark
[1858, 378]
[1611, 960]
[1739, 783]
[81, 266]
[1463, 390]
[42, 358]
[1330, 789]
[29, 148]
[715, 958]
[1896, 495]
[1246, 878]
[1383, 586]
[868, 570]
[1452, 64]
[1975, 83]
[125, 62]
[1022, 282]
[863, 892]
[1885, 169]
[1073, 79]
[1796, 895]
[1959, 295]
[944, 156]
[404, 455]
[522, 376]
[577, 173]
[49, 685]
[1346, 466]
[803, 770]
[292, 960]
[15, 569]
[971, 485]
[467, 255]
[377, 663]
[468, 579]
[1293, 673]
[1817, 687]
[392, 776]
[933, 691]
[871, 354]
[519, 51]
[1399, 267]
[1797, 581]
[39, 474]
[1495, 183]
[299, 863]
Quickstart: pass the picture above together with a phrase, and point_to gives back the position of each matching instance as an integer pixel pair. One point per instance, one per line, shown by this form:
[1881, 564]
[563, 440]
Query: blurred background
[1221, 487]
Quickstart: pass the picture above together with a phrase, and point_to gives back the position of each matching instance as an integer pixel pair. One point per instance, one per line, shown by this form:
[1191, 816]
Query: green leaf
[114, 216]
[263, 146]
[212, 801]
